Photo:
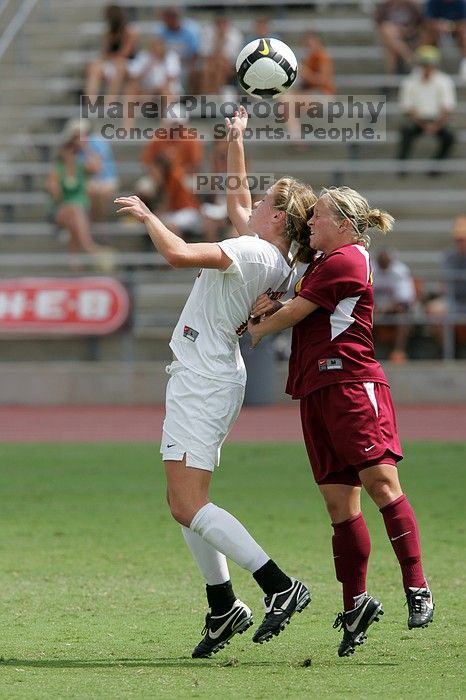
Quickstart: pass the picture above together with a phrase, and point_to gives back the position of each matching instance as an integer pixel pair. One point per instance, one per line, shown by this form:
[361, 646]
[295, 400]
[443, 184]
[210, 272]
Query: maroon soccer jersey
[334, 343]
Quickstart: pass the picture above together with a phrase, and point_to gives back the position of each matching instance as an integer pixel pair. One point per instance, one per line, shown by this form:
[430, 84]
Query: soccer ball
[266, 68]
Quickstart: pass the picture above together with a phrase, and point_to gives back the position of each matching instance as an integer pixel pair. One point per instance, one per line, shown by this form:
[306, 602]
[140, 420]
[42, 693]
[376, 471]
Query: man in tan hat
[427, 99]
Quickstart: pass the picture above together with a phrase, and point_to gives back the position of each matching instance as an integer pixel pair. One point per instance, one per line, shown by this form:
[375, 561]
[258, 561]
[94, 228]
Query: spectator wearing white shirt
[156, 71]
[428, 99]
[394, 294]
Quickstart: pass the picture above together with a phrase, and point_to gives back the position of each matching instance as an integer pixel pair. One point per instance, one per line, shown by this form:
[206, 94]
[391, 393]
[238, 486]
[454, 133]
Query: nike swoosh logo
[284, 605]
[368, 449]
[265, 51]
[222, 628]
[172, 445]
[352, 627]
[402, 535]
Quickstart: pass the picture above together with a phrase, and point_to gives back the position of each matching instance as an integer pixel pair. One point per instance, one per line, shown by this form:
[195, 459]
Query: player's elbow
[174, 259]
[178, 259]
[176, 252]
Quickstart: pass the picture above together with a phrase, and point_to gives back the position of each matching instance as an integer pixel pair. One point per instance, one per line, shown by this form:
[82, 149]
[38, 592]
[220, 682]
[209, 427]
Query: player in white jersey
[207, 378]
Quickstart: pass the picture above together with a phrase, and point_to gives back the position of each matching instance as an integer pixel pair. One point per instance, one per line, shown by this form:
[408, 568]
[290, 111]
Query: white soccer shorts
[200, 413]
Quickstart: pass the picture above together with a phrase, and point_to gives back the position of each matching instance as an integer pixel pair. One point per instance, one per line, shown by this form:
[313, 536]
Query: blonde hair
[297, 200]
[349, 204]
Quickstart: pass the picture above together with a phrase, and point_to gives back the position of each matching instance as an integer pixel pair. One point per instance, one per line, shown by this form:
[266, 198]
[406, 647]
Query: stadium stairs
[41, 78]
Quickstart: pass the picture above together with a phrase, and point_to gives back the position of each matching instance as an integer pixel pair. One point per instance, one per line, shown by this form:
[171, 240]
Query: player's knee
[338, 510]
[179, 514]
[181, 511]
[382, 491]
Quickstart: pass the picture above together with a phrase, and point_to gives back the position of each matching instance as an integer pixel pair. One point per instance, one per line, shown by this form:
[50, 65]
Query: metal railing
[159, 317]
[13, 29]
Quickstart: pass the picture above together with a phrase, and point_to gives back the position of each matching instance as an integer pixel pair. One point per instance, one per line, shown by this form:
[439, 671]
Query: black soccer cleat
[420, 607]
[279, 608]
[219, 629]
[354, 624]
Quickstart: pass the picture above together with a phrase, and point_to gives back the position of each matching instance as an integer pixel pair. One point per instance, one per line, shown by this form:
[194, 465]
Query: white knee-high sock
[213, 564]
[226, 534]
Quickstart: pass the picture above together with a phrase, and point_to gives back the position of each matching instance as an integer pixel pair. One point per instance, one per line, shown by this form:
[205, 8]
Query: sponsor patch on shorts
[190, 333]
[329, 364]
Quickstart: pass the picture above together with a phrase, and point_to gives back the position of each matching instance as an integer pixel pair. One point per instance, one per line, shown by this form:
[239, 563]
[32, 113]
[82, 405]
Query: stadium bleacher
[42, 73]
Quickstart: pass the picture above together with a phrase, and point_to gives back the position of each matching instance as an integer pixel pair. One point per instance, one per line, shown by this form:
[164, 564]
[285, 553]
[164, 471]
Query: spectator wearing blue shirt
[102, 186]
[97, 156]
[183, 36]
[447, 17]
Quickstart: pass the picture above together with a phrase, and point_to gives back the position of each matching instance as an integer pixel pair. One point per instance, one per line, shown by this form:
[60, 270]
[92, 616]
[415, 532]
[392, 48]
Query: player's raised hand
[236, 126]
[134, 206]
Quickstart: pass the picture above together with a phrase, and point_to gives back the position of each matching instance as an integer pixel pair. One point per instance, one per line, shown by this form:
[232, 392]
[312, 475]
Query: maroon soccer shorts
[348, 427]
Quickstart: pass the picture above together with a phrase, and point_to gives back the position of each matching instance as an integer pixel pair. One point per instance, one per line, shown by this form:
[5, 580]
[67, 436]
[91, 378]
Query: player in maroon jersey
[347, 413]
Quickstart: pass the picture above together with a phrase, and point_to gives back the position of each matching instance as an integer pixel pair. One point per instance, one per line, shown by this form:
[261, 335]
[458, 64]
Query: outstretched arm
[289, 315]
[239, 200]
[175, 251]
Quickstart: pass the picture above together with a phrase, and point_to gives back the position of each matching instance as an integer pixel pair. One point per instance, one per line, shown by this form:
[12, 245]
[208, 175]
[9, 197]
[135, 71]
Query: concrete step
[21, 237]
[117, 347]
[40, 146]
[57, 242]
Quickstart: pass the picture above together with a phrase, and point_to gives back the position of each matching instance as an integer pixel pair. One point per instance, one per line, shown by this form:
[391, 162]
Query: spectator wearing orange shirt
[164, 191]
[315, 76]
[183, 153]
[316, 70]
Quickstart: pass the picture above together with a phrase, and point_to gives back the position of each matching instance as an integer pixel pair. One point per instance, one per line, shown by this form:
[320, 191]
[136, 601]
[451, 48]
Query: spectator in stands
[215, 222]
[103, 184]
[428, 99]
[316, 72]
[455, 266]
[67, 185]
[183, 152]
[394, 297]
[220, 46]
[156, 71]
[447, 17]
[315, 76]
[399, 24]
[183, 36]
[119, 48]
[97, 156]
[452, 298]
[164, 191]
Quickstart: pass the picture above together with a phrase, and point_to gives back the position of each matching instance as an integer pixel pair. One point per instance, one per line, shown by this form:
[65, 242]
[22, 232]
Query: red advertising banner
[81, 306]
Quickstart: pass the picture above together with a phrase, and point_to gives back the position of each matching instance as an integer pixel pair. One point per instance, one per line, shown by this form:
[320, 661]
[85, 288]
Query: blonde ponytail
[380, 219]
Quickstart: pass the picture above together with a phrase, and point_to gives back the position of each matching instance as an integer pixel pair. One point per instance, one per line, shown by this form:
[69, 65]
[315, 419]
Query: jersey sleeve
[241, 251]
[334, 279]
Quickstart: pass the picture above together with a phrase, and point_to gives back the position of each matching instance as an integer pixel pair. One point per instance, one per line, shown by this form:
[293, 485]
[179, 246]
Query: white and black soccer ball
[266, 68]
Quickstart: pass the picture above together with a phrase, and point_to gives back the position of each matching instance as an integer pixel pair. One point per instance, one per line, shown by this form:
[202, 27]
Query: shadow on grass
[182, 661]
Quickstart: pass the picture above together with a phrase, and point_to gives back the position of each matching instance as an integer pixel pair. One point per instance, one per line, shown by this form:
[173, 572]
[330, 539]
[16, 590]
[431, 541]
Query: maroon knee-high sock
[351, 548]
[401, 526]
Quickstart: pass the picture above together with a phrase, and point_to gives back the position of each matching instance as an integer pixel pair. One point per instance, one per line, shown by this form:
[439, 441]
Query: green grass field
[100, 599]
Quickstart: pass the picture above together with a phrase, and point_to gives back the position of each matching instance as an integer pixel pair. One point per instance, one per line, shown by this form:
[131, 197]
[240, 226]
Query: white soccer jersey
[215, 315]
